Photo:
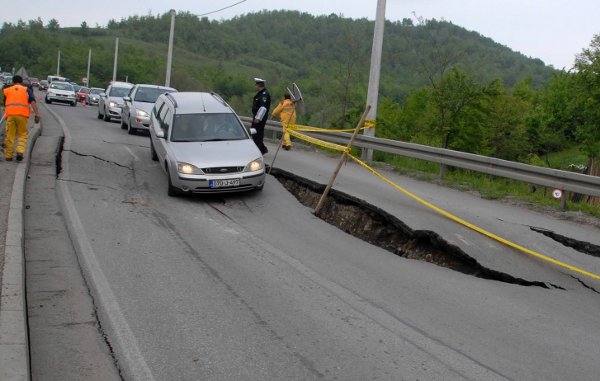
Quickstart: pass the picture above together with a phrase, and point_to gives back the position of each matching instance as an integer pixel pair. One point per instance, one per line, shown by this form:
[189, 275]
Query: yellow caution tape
[474, 227]
[293, 130]
[316, 141]
[298, 127]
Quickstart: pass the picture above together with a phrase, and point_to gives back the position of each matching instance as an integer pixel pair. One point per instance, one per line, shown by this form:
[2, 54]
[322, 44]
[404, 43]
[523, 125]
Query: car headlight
[141, 113]
[51, 93]
[188, 169]
[112, 104]
[254, 165]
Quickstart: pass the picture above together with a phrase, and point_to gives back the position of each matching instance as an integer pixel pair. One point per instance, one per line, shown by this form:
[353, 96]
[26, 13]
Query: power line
[222, 9]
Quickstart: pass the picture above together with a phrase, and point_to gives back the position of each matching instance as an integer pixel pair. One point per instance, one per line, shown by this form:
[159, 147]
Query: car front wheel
[172, 191]
[130, 131]
[153, 152]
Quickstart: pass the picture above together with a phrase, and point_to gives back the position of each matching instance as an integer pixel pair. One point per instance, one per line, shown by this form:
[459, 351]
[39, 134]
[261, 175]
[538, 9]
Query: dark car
[43, 85]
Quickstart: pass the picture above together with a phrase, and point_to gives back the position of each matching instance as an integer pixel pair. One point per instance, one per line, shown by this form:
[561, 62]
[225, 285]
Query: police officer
[18, 101]
[260, 113]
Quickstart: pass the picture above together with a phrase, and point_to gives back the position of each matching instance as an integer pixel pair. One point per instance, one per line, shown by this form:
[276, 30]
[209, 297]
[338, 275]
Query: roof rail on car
[168, 95]
[218, 97]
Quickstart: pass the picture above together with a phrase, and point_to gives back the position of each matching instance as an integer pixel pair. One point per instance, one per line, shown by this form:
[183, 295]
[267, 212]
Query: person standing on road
[18, 101]
[260, 113]
[286, 110]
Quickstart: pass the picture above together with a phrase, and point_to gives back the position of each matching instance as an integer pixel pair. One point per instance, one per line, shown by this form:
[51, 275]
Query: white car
[62, 92]
[203, 146]
[111, 101]
[135, 115]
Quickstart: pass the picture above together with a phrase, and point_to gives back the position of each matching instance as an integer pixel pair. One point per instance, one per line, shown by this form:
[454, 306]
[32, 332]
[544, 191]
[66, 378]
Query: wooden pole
[361, 123]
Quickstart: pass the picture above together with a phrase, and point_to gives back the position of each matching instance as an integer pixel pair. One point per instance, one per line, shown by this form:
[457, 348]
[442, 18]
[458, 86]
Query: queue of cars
[197, 138]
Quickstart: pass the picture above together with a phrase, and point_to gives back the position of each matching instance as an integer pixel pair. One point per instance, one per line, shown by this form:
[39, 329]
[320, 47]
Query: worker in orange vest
[18, 100]
[286, 110]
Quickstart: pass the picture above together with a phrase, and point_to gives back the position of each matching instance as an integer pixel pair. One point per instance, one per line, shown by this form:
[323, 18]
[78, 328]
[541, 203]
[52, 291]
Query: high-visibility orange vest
[16, 101]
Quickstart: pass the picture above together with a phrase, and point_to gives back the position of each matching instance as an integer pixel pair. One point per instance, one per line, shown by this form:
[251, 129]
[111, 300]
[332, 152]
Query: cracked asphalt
[66, 338]
[254, 286]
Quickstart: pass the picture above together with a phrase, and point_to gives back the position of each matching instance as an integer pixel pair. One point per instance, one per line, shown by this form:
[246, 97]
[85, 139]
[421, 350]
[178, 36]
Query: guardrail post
[563, 201]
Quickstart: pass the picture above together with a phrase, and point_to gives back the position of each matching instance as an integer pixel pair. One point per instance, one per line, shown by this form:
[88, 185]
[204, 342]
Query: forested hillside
[441, 85]
[328, 55]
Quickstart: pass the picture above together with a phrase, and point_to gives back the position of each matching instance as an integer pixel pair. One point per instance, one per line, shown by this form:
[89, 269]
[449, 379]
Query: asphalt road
[256, 287]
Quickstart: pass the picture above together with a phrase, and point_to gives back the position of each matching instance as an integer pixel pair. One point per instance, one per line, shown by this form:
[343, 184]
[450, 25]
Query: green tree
[84, 29]
[53, 25]
[588, 80]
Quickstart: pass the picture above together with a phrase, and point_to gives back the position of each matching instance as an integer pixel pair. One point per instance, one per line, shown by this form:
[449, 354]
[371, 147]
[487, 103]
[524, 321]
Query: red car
[82, 93]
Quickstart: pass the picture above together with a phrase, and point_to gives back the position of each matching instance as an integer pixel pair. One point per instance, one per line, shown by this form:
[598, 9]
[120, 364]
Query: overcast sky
[552, 30]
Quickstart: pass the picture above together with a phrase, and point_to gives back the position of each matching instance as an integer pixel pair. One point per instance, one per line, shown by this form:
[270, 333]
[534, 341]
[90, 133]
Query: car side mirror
[252, 131]
[127, 99]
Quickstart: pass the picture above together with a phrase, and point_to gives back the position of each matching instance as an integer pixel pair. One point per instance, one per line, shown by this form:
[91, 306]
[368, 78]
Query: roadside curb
[14, 339]
[131, 364]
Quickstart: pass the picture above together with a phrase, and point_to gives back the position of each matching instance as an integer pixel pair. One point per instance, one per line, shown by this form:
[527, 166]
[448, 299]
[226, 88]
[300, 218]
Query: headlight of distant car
[188, 169]
[141, 113]
[254, 165]
[112, 104]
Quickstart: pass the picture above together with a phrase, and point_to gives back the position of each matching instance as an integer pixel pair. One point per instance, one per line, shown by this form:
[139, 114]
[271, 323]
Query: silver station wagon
[203, 146]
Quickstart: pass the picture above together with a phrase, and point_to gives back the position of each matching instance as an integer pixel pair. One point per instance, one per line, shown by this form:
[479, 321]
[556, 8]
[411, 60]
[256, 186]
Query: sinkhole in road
[377, 227]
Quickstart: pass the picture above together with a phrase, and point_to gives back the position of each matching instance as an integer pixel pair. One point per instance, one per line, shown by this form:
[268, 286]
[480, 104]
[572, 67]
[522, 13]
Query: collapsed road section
[377, 227]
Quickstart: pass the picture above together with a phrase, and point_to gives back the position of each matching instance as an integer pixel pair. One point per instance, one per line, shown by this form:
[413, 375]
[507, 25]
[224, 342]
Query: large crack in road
[581, 246]
[377, 227]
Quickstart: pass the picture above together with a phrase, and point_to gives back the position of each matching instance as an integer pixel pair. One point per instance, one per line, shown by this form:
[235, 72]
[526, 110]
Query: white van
[52, 78]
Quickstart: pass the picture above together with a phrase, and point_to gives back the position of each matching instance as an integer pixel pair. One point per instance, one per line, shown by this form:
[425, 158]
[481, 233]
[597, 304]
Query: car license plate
[224, 183]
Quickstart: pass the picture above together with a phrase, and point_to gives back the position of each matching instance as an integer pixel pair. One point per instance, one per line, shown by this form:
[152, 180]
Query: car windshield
[149, 94]
[207, 128]
[96, 91]
[84, 90]
[119, 91]
[76, 87]
[61, 86]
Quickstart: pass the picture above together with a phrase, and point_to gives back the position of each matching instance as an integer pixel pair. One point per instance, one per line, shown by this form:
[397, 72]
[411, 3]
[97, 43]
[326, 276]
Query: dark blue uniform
[260, 105]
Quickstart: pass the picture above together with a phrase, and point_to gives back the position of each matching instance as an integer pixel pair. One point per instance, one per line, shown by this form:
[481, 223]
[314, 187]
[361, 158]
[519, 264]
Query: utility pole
[116, 60]
[58, 64]
[170, 49]
[373, 92]
[88, 84]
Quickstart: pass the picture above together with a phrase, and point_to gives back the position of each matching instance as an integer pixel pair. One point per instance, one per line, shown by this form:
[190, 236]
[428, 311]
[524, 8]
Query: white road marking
[132, 154]
[463, 240]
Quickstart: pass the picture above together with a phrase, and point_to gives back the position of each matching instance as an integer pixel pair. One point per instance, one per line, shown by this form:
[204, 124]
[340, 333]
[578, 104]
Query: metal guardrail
[555, 178]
